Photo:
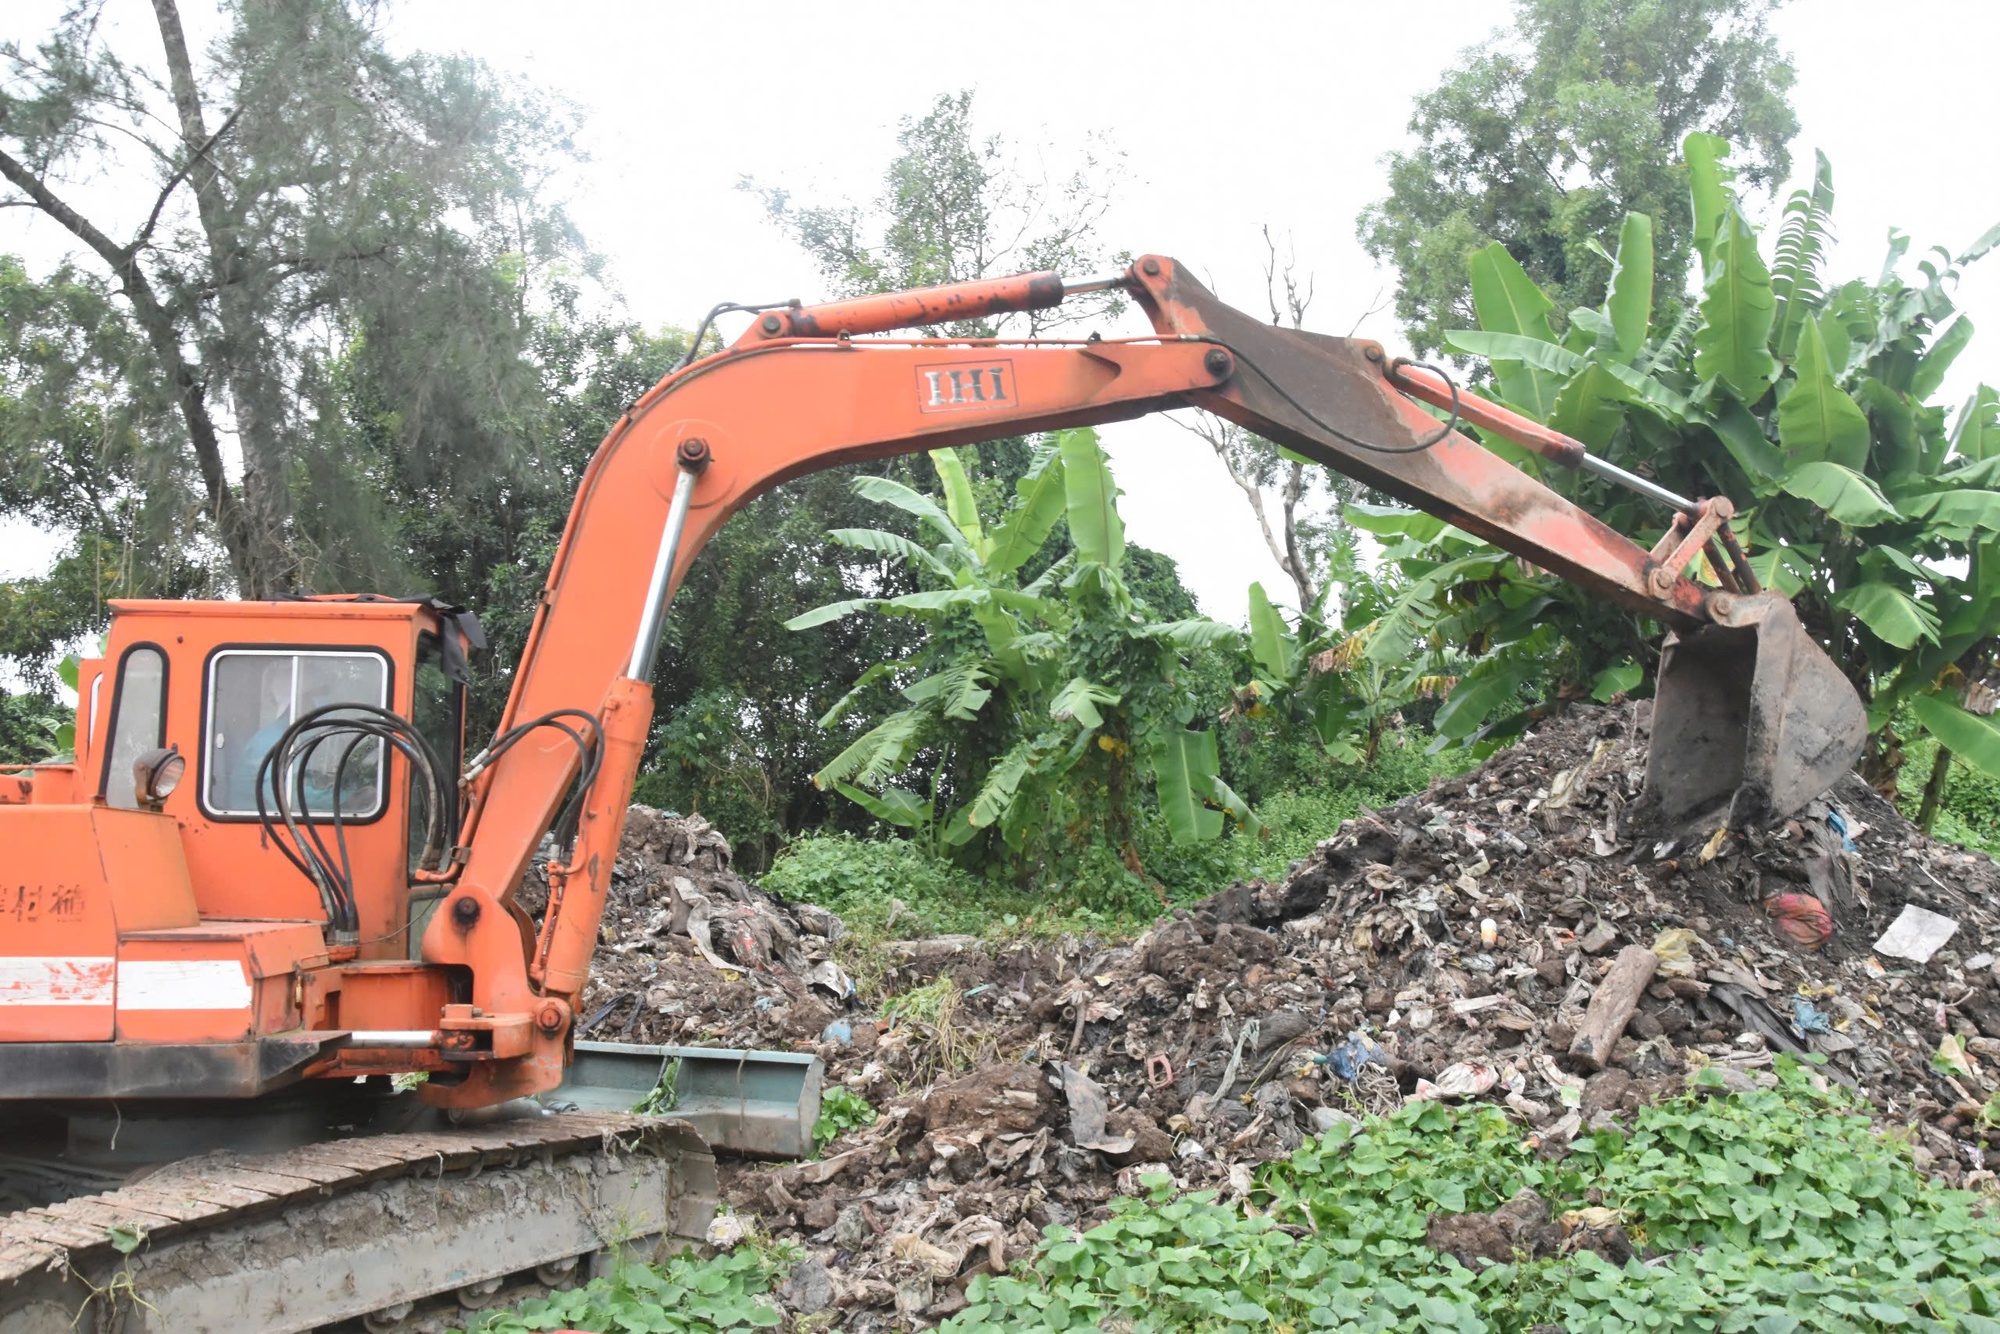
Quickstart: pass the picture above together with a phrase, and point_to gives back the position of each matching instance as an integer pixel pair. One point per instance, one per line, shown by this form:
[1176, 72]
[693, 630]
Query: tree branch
[223, 505]
[1294, 562]
[1216, 434]
[180, 174]
[47, 201]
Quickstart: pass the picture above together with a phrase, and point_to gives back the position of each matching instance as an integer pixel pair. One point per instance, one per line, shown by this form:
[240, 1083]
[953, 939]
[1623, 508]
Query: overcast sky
[1228, 116]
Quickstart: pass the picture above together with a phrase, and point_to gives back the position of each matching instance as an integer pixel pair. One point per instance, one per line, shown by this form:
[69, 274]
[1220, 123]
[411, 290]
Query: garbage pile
[1510, 935]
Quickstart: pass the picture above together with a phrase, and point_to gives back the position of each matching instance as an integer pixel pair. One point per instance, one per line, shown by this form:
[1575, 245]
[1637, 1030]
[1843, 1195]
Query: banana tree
[1809, 406]
[1344, 679]
[1039, 705]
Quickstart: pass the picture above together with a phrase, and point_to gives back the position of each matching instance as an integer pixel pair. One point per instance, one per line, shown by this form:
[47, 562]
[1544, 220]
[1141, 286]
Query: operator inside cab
[288, 688]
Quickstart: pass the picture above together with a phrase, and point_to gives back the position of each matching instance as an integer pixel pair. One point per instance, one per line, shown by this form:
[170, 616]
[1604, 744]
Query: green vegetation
[665, 1095]
[891, 887]
[1805, 403]
[840, 1110]
[333, 220]
[31, 727]
[896, 888]
[1569, 118]
[686, 1295]
[1043, 698]
[1968, 805]
[1770, 1212]
[1765, 1212]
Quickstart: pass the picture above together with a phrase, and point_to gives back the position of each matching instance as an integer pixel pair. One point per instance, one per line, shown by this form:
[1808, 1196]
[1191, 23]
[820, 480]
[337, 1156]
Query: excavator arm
[1749, 710]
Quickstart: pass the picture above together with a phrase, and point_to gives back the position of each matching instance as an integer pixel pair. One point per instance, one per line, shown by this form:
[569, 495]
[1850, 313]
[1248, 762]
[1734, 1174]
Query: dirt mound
[1506, 935]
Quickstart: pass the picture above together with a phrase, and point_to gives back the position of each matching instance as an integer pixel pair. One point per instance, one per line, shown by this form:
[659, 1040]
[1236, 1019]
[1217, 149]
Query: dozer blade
[759, 1104]
[1750, 710]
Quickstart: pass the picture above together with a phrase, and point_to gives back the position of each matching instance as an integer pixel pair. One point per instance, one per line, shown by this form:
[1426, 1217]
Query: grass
[895, 888]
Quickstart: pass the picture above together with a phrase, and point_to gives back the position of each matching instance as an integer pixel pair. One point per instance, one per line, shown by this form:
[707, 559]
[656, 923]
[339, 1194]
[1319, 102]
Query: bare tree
[1297, 503]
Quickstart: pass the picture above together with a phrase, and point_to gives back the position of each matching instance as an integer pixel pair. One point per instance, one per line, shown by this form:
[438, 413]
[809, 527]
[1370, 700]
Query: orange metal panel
[217, 982]
[145, 867]
[388, 996]
[58, 937]
[236, 871]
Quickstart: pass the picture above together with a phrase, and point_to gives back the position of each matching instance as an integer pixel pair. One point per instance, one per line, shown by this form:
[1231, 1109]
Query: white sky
[1229, 116]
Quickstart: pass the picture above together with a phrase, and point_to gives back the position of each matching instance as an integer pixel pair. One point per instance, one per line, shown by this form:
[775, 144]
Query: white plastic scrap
[1464, 1080]
[1916, 935]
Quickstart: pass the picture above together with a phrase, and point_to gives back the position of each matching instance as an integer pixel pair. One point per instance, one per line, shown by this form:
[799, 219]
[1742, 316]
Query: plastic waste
[839, 1031]
[1809, 1018]
[1347, 1059]
[1950, 1058]
[1464, 1080]
[1674, 947]
[831, 978]
[1801, 918]
[1087, 1110]
[1917, 934]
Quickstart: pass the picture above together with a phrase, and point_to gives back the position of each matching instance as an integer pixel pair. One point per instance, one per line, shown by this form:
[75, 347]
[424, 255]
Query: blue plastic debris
[839, 1031]
[764, 1003]
[1838, 824]
[1347, 1059]
[1809, 1018]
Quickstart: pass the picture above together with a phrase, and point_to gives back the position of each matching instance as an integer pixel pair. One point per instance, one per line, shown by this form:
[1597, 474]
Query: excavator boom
[1760, 718]
[162, 951]
[1750, 712]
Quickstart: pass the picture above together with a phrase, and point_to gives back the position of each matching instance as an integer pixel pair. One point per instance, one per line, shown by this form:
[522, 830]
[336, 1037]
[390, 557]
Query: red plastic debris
[1802, 918]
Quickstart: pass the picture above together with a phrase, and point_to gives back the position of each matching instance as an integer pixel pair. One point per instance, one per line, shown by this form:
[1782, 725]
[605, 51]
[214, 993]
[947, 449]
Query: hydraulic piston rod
[692, 458]
[1550, 444]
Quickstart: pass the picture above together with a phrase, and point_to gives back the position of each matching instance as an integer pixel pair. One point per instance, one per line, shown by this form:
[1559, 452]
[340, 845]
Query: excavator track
[368, 1233]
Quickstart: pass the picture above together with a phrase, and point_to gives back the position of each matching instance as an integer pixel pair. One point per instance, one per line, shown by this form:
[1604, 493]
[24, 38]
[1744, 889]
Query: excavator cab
[160, 937]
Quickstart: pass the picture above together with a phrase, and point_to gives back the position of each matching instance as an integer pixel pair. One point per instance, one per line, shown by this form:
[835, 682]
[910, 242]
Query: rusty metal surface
[1317, 394]
[1751, 712]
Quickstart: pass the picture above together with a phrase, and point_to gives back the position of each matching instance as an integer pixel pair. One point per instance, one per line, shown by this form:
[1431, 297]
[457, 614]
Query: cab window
[438, 711]
[253, 695]
[138, 721]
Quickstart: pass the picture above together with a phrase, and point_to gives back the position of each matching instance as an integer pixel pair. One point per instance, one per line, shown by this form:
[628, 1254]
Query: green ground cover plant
[1769, 1212]
[686, 1295]
[840, 1110]
[1773, 1211]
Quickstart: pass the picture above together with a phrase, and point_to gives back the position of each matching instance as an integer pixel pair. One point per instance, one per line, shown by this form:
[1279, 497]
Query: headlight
[156, 774]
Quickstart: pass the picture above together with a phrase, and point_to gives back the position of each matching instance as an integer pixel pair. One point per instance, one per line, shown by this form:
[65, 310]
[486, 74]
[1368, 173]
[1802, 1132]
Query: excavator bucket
[1750, 711]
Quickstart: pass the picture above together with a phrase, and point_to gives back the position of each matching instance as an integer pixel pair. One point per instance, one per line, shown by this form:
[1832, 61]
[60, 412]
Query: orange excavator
[268, 884]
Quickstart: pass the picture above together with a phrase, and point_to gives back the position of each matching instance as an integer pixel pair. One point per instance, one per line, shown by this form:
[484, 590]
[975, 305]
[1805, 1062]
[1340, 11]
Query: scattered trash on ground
[1514, 935]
